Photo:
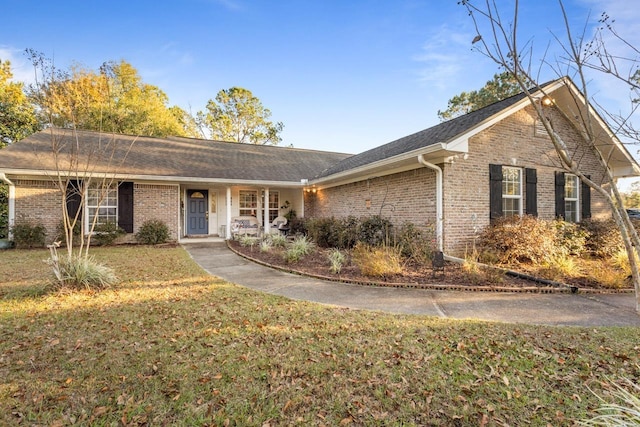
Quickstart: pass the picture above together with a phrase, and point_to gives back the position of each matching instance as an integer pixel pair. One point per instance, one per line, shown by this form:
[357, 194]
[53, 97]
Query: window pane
[571, 187]
[571, 211]
[511, 207]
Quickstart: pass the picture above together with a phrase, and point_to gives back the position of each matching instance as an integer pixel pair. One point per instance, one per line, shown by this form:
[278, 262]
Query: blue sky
[342, 75]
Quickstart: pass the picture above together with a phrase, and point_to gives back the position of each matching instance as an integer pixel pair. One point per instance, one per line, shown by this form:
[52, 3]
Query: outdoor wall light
[546, 101]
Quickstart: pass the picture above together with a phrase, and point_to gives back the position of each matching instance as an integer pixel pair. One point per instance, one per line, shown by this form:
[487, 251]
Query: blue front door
[197, 213]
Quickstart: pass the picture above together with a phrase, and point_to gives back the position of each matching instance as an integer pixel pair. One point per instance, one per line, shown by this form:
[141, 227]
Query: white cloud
[20, 66]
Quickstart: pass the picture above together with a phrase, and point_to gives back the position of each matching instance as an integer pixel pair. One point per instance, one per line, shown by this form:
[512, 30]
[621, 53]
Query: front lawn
[171, 346]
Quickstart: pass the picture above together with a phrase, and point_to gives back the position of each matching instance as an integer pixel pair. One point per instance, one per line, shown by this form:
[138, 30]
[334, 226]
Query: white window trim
[88, 219]
[576, 199]
[518, 196]
[240, 201]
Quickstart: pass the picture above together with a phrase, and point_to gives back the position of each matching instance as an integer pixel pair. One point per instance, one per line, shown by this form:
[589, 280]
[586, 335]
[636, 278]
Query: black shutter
[560, 213]
[125, 206]
[74, 198]
[531, 179]
[585, 196]
[495, 191]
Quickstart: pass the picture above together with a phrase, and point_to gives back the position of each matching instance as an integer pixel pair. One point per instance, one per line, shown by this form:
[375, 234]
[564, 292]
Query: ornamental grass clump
[297, 249]
[78, 272]
[377, 261]
[337, 260]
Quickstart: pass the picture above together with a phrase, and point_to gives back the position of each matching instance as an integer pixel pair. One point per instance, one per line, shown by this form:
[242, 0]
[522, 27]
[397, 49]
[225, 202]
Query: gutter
[439, 214]
[4, 179]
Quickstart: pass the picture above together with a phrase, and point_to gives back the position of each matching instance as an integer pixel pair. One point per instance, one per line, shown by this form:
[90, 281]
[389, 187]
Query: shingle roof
[442, 132]
[171, 157]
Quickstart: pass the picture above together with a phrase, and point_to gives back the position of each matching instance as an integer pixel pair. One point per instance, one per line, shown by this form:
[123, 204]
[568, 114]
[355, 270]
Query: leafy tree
[632, 197]
[236, 115]
[502, 86]
[17, 115]
[115, 99]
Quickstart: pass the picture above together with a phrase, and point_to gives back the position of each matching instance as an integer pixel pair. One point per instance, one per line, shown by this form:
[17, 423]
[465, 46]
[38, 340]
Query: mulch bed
[413, 276]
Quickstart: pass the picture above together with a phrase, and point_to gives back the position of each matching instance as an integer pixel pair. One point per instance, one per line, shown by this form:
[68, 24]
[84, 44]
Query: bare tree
[500, 42]
[76, 167]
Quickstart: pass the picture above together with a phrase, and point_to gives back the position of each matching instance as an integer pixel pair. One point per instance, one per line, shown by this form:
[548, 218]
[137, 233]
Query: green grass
[172, 346]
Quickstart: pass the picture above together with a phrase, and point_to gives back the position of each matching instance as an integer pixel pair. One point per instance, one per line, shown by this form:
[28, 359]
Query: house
[455, 176]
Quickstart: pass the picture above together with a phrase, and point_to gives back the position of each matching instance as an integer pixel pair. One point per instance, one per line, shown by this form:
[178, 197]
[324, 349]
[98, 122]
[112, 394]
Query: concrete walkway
[547, 309]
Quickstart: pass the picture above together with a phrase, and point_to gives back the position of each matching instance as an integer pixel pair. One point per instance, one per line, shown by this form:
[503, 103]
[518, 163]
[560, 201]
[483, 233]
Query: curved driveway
[547, 309]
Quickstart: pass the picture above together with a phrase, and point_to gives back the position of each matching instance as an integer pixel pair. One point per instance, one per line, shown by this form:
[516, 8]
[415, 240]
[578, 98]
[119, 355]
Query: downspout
[12, 200]
[439, 214]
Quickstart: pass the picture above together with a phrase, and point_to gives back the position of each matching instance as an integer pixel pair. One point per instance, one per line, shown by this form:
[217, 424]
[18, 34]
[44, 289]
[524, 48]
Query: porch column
[267, 224]
[228, 203]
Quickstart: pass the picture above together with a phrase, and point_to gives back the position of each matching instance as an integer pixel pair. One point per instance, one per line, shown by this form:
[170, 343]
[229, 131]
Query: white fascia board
[348, 175]
[161, 178]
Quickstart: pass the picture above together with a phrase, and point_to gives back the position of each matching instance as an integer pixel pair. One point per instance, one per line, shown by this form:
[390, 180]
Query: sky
[341, 75]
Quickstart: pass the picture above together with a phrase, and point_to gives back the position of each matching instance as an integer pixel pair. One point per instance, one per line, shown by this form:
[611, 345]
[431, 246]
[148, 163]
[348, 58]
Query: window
[571, 198]
[102, 203]
[248, 202]
[511, 191]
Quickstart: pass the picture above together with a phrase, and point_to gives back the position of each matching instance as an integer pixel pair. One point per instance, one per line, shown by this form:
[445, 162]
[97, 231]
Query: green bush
[29, 235]
[277, 240]
[416, 243]
[375, 231]
[105, 234]
[377, 261]
[152, 232]
[297, 226]
[572, 238]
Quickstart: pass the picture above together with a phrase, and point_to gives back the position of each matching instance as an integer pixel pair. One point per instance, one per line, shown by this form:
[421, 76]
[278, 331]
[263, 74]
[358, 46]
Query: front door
[197, 212]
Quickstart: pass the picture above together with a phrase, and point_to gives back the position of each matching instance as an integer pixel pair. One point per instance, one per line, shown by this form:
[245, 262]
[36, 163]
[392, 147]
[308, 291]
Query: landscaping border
[550, 287]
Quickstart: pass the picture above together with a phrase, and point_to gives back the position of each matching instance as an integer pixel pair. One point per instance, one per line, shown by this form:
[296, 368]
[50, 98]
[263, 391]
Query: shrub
[375, 231]
[622, 411]
[4, 211]
[105, 234]
[341, 233]
[28, 235]
[603, 237]
[337, 260]
[377, 261]
[300, 247]
[416, 243]
[153, 232]
[247, 240]
[520, 240]
[297, 226]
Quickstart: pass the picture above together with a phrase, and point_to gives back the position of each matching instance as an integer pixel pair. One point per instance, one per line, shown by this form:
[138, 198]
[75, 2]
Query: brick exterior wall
[403, 197]
[511, 142]
[160, 202]
[38, 202]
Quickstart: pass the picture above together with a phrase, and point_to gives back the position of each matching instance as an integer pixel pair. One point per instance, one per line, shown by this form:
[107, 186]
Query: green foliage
[17, 116]
[621, 408]
[337, 260]
[375, 231]
[571, 237]
[377, 261]
[28, 235]
[248, 240]
[297, 226]
[277, 240]
[238, 116]
[105, 234]
[416, 243]
[502, 86]
[297, 249]
[265, 245]
[153, 232]
[341, 233]
[79, 272]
